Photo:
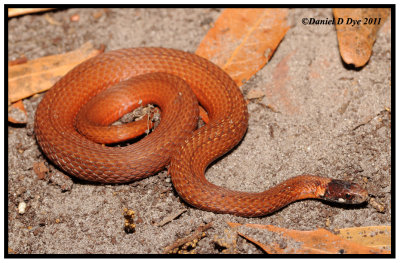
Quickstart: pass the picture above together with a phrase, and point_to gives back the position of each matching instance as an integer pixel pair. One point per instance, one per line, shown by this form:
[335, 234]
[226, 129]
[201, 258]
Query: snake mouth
[344, 192]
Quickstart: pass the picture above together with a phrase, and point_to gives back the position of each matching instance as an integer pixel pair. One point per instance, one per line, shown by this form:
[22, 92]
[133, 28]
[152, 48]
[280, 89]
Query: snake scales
[165, 77]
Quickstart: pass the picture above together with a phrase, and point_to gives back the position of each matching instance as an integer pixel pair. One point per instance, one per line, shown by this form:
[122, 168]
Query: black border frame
[59, 6]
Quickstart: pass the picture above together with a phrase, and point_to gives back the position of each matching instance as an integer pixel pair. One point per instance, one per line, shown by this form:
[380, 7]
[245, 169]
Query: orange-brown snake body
[173, 142]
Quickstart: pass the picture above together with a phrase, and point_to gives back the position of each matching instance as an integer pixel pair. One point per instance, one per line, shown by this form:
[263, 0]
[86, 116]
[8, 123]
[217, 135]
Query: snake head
[345, 192]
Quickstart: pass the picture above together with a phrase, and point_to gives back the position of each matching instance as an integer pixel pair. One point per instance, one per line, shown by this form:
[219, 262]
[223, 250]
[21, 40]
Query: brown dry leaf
[40, 169]
[17, 113]
[357, 34]
[20, 60]
[23, 11]
[40, 74]
[319, 241]
[243, 40]
[372, 236]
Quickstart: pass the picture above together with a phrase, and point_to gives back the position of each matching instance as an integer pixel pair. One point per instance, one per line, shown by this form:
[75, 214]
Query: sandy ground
[327, 119]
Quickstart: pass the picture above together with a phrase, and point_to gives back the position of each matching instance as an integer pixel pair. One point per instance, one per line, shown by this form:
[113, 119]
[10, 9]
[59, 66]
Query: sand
[318, 116]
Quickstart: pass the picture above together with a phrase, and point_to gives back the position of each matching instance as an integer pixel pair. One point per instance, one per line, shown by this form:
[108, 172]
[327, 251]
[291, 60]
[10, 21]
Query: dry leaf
[243, 40]
[40, 74]
[372, 236]
[356, 32]
[20, 60]
[17, 113]
[23, 11]
[319, 241]
[40, 169]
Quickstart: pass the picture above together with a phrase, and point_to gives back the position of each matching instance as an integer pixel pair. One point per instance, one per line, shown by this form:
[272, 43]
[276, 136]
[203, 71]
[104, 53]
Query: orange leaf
[243, 40]
[357, 32]
[319, 241]
[20, 60]
[17, 113]
[23, 11]
[371, 236]
[40, 74]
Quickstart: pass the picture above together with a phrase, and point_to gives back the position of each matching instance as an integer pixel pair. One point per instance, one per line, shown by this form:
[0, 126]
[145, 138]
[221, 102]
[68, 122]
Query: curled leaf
[243, 40]
[356, 32]
[288, 241]
[40, 74]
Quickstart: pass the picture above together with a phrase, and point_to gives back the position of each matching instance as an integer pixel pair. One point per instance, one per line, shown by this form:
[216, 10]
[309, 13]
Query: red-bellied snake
[167, 78]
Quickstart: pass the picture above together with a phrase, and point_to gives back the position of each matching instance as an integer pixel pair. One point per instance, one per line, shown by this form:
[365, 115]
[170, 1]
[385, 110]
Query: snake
[74, 126]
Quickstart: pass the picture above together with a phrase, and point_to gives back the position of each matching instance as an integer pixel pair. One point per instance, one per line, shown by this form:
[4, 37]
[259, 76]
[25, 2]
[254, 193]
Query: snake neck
[304, 187]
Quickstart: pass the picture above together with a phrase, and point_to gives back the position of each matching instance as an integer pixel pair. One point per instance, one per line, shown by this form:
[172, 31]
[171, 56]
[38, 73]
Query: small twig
[199, 233]
[170, 217]
[363, 123]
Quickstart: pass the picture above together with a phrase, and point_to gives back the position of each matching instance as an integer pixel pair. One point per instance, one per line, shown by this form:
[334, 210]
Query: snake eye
[344, 192]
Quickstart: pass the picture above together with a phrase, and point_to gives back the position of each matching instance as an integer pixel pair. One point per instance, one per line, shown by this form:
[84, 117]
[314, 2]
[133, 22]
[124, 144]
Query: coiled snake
[73, 135]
